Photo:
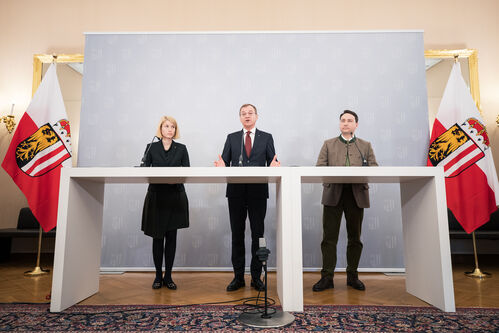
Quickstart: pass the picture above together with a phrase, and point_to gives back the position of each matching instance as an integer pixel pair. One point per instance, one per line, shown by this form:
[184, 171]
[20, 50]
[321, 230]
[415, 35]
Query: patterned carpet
[223, 318]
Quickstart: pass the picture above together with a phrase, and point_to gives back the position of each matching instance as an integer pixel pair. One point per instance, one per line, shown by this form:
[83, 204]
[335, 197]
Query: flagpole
[477, 273]
[37, 271]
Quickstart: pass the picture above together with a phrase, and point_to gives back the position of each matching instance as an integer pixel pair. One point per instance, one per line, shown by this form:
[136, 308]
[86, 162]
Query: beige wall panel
[30, 27]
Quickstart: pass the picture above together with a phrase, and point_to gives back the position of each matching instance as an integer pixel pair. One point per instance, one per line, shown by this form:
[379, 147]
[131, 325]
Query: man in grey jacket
[351, 199]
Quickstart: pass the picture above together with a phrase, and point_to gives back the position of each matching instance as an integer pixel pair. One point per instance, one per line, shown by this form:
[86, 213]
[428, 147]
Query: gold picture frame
[40, 59]
[472, 56]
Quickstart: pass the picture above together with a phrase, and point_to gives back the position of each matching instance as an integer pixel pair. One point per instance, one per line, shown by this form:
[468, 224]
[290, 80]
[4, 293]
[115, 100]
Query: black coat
[262, 153]
[165, 207]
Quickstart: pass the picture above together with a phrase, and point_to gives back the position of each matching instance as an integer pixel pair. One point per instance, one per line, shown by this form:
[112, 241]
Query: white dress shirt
[252, 135]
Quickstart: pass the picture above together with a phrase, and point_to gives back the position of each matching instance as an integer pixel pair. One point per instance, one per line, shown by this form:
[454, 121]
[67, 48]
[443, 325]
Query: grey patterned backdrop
[300, 82]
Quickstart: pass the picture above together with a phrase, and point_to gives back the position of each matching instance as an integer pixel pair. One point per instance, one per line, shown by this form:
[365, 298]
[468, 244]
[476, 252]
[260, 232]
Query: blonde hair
[171, 120]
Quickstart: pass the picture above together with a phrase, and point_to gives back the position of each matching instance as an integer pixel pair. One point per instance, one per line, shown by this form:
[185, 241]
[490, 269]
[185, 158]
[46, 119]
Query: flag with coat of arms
[40, 147]
[460, 144]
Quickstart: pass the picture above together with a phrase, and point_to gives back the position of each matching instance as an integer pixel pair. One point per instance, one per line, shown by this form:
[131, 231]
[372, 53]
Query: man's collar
[342, 139]
[253, 130]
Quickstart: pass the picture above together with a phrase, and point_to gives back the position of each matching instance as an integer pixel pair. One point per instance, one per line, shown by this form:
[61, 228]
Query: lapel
[257, 142]
[240, 142]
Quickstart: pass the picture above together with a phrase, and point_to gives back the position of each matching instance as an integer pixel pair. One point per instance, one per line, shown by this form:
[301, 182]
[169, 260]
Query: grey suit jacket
[333, 153]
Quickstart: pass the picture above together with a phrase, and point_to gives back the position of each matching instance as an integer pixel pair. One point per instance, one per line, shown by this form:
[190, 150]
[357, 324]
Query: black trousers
[239, 209]
[331, 222]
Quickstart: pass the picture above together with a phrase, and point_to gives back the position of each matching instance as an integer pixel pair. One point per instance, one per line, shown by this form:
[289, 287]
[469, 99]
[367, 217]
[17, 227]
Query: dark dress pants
[331, 227]
[239, 209]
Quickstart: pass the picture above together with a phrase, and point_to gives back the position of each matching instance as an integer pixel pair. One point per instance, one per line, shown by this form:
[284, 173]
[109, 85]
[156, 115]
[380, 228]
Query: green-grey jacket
[333, 153]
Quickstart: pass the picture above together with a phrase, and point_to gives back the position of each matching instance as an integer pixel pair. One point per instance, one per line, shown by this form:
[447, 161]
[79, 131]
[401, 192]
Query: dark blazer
[166, 206]
[262, 153]
[177, 156]
[333, 153]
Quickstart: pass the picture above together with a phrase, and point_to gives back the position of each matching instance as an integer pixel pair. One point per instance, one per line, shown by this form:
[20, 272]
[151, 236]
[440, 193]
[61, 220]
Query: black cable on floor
[246, 306]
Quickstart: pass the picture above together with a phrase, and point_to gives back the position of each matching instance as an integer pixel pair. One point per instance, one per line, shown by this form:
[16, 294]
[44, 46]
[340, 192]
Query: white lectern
[79, 225]
[424, 223]
[426, 239]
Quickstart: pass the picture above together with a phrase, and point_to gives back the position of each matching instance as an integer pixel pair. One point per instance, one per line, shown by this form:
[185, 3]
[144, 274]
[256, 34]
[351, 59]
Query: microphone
[262, 253]
[142, 164]
[262, 242]
[364, 161]
[241, 155]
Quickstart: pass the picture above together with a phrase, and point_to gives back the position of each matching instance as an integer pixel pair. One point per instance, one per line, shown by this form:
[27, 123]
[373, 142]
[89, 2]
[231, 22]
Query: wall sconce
[9, 120]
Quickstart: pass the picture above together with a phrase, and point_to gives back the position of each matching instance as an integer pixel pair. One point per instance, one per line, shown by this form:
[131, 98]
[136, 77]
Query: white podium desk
[424, 222]
[426, 240]
[79, 222]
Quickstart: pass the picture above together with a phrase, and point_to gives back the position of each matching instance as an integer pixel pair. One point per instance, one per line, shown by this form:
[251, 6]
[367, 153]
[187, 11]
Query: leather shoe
[355, 283]
[323, 284]
[235, 284]
[156, 284]
[257, 284]
[170, 284]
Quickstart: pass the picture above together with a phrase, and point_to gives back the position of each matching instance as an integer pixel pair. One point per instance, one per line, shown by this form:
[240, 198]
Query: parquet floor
[209, 287]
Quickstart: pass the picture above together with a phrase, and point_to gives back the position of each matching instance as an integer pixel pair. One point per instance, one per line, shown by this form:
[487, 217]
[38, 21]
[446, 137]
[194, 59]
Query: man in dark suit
[350, 199]
[246, 148]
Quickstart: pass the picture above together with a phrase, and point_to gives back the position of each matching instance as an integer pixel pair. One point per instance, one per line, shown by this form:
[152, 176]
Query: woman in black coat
[166, 208]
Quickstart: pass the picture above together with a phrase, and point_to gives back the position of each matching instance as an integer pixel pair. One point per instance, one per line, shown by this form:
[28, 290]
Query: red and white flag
[459, 142]
[40, 147]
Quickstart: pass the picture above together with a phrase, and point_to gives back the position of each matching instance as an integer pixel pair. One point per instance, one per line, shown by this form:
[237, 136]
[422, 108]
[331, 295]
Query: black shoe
[257, 284]
[170, 284]
[157, 283]
[355, 283]
[235, 284]
[323, 284]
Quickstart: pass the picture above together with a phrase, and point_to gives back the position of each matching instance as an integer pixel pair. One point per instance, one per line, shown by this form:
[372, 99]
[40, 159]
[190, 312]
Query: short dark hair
[352, 113]
[245, 105]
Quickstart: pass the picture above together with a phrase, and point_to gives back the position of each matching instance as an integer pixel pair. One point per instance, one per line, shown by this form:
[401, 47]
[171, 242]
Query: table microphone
[241, 155]
[147, 151]
[364, 161]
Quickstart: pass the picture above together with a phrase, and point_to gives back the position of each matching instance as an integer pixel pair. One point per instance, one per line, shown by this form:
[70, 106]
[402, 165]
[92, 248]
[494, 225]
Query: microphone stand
[364, 161]
[264, 264]
[265, 320]
[143, 161]
[241, 155]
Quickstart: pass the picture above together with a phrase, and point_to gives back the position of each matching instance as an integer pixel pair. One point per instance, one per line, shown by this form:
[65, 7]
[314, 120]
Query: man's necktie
[247, 144]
